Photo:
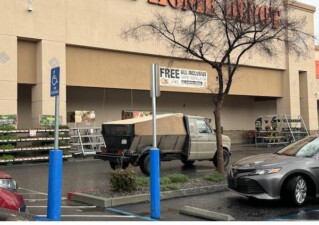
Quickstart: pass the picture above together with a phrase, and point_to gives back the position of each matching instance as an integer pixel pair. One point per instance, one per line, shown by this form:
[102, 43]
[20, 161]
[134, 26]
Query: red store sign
[244, 10]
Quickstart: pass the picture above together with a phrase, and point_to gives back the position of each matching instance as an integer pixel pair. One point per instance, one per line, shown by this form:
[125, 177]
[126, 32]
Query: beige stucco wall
[98, 68]
[8, 75]
[27, 62]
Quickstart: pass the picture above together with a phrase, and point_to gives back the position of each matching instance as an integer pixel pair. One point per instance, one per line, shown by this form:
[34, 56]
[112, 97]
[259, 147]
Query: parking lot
[89, 174]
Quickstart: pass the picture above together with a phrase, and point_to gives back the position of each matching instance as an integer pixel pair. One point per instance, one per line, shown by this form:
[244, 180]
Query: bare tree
[220, 33]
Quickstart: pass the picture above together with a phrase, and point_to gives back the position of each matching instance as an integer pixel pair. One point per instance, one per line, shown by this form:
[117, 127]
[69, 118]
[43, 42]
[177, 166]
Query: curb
[123, 200]
[206, 214]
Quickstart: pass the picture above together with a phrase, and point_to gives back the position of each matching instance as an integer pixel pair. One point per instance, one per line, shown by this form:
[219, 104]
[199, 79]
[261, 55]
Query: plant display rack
[86, 140]
[279, 129]
[27, 145]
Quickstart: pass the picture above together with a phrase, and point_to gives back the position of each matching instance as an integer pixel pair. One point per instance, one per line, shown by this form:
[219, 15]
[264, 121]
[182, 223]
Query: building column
[289, 104]
[299, 97]
[8, 75]
[308, 100]
[50, 54]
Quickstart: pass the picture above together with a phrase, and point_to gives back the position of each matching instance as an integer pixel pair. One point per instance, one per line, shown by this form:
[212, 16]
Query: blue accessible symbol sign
[55, 81]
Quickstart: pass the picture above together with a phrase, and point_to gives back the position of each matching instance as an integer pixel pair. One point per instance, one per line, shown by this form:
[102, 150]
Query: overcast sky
[314, 3]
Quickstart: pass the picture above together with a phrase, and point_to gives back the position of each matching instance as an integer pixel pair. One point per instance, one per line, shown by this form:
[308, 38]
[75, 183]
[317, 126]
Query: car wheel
[296, 190]
[145, 164]
[188, 162]
[115, 165]
[226, 158]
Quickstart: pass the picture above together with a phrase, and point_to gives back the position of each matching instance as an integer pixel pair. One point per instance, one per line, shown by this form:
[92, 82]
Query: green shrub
[7, 127]
[165, 180]
[6, 157]
[8, 146]
[64, 127]
[123, 180]
[178, 178]
[169, 187]
[143, 181]
[214, 177]
[8, 137]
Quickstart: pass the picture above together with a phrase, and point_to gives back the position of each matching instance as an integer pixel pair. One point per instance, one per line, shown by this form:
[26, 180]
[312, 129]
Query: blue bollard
[55, 185]
[155, 183]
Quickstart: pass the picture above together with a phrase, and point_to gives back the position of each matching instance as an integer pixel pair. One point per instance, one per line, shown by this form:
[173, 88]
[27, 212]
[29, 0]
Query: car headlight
[267, 171]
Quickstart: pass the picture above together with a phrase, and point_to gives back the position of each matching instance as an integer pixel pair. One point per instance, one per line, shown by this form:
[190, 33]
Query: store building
[103, 73]
[317, 61]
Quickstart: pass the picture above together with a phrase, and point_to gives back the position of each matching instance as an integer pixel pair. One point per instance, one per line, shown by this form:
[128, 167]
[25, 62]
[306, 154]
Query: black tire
[226, 158]
[188, 162]
[115, 165]
[145, 164]
[295, 191]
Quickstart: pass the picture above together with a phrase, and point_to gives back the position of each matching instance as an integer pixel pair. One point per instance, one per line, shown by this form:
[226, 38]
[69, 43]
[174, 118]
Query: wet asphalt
[87, 174]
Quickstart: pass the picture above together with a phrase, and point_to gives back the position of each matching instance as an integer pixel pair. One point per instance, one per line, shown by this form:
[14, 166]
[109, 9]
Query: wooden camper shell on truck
[137, 133]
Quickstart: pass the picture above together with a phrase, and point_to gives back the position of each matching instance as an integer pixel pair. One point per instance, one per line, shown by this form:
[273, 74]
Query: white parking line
[94, 216]
[33, 199]
[32, 191]
[64, 206]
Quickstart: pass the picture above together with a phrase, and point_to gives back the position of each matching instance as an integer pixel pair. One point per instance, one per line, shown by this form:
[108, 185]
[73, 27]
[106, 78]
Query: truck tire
[188, 162]
[115, 165]
[145, 164]
[226, 158]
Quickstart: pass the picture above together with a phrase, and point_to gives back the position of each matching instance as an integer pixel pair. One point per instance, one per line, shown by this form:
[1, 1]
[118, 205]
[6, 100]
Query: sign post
[55, 156]
[155, 191]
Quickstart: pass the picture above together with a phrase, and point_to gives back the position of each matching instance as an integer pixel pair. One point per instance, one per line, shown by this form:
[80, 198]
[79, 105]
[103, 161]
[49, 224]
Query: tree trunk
[220, 155]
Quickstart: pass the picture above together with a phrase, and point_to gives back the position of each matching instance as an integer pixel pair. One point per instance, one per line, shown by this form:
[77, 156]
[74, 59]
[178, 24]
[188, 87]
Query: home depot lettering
[245, 11]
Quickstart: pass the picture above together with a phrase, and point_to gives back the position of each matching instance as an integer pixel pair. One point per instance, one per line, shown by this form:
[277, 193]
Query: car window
[202, 127]
[7, 184]
[310, 149]
[306, 147]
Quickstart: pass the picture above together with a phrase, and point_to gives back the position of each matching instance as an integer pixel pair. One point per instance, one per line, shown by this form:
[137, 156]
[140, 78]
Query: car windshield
[7, 184]
[306, 147]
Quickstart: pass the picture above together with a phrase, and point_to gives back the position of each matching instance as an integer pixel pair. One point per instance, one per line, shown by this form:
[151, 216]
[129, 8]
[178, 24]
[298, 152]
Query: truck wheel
[188, 162]
[145, 164]
[115, 165]
[226, 158]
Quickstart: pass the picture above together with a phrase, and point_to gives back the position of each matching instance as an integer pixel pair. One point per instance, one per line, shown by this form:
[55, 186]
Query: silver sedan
[291, 174]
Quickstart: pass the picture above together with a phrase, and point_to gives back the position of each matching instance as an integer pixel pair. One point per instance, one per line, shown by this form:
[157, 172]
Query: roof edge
[301, 6]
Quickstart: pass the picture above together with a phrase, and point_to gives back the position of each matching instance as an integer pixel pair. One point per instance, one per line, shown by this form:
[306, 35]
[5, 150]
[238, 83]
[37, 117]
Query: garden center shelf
[24, 145]
[86, 140]
[272, 130]
[31, 159]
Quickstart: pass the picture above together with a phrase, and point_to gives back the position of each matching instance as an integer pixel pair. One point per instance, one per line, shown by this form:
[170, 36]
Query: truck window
[202, 127]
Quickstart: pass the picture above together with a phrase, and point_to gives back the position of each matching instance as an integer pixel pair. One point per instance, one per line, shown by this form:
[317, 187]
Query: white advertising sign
[176, 77]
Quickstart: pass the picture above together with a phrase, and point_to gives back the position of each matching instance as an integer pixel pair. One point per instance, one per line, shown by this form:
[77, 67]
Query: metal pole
[56, 127]
[55, 173]
[155, 191]
[154, 66]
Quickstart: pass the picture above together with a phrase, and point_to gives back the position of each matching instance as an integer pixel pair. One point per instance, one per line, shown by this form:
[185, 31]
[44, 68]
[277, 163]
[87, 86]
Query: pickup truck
[179, 137]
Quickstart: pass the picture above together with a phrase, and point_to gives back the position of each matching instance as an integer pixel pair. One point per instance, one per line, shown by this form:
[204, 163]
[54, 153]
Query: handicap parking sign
[55, 81]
